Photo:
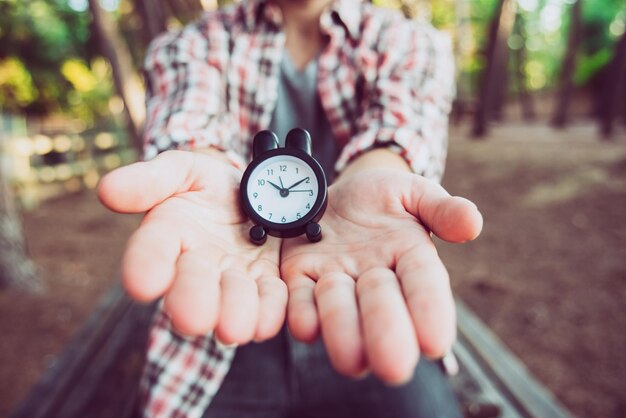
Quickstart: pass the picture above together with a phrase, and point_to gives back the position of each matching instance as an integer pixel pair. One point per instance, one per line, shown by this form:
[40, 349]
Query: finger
[193, 301]
[426, 287]
[149, 262]
[239, 312]
[388, 331]
[272, 307]
[339, 318]
[140, 186]
[451, 218]
[272, 291]
[301, 310]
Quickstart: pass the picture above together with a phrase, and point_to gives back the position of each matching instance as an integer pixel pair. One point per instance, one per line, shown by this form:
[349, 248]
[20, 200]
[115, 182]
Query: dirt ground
[548, 274]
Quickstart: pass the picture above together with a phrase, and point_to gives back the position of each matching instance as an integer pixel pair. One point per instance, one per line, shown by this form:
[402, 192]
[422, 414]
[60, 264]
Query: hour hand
[276, 186]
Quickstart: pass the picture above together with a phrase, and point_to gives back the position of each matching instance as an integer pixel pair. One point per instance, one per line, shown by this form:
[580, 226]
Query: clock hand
[275, 185]
[296, 183]
[294, 191]
[283, 192]
[281, 182]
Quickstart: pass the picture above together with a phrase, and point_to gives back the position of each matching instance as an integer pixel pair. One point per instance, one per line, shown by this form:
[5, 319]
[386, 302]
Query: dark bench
[98, 372]
[492, 381]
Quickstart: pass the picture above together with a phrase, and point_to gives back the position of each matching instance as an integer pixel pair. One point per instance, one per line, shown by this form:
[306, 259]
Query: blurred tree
[127, 82]
[158, 15]
[603, 22]
[615, 89]
[493, 80]
[463, 49]
[154, 16]
[16, 269]
[566, 82]
[517, 42]
[187, 10]
[37, 40]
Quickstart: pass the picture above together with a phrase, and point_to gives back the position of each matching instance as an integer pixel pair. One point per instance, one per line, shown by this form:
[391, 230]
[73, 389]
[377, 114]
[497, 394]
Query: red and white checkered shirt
[383, 81]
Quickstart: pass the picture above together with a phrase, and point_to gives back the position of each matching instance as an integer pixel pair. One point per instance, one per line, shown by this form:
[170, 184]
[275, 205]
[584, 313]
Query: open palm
[192, 247]
[375, 285]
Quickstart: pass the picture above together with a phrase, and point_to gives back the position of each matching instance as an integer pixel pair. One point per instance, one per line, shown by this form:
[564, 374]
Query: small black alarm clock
[283, 190]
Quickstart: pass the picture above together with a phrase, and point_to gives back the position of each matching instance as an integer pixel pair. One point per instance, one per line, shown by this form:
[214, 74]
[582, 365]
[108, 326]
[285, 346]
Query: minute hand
[296, 183]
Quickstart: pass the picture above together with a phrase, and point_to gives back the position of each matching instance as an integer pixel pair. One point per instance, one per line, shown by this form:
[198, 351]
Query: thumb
[451, 218]
[140, 186]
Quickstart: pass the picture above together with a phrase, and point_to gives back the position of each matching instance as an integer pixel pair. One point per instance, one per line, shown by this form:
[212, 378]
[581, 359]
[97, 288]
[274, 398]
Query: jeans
[283, 378]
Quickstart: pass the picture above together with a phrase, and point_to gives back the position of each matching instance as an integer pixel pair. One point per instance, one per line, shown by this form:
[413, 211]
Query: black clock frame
[308, 223]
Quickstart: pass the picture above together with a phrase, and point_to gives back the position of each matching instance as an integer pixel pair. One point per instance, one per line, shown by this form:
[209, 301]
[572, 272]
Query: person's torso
[247, 47]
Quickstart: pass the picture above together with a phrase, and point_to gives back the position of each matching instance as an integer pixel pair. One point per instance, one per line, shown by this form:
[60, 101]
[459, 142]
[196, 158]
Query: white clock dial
[282, 189]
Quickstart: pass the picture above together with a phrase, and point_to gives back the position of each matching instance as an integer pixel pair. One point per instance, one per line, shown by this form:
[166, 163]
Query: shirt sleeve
[186, 105]
[406, 108]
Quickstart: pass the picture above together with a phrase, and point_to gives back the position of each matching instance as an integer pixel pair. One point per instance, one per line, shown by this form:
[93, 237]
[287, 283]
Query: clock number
[310, 192]
[261, 182]
[283, 168]
[308, 180]
[298, 216]
[308, 206]
[283, 220]
[260, 208]
[270, 215]
[255, 195]
[270, 171]
[296, 170]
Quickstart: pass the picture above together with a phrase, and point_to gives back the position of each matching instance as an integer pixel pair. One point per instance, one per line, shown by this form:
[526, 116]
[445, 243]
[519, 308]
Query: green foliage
[16, 85]
[589, 65]
[603, 22]
[547, 25]
[47, 60]
[443, 15]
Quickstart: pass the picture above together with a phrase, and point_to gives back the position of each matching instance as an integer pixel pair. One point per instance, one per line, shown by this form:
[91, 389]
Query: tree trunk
[519, 55]
[493, 80]
[154, 18]
[125, 77]
[155, 14]
[463, 48]
[185, 10]
[16, 269]
[566, 87]
[614, 90]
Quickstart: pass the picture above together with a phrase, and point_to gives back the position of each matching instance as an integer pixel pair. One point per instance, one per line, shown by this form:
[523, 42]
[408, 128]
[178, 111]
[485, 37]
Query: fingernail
[224, 346]
[449, 364]
[362, 375]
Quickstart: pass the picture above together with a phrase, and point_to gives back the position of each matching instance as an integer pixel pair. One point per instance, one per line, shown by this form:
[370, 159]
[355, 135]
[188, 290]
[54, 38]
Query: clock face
[282, 189]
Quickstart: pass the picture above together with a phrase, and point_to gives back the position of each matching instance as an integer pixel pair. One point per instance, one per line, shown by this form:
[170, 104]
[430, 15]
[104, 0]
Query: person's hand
[374, 285]
[192, 247]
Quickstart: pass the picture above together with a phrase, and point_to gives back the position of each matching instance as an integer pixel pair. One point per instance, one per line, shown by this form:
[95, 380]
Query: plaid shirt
[383, 81]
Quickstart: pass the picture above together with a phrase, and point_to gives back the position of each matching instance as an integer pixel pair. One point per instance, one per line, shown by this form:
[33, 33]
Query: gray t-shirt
[299, 106]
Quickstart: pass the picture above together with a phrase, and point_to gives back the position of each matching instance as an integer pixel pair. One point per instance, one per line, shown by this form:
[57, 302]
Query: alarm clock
[283, 190]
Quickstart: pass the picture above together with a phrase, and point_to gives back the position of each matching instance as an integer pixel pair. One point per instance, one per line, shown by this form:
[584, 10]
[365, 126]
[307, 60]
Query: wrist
[378, 158]
[226, 156]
